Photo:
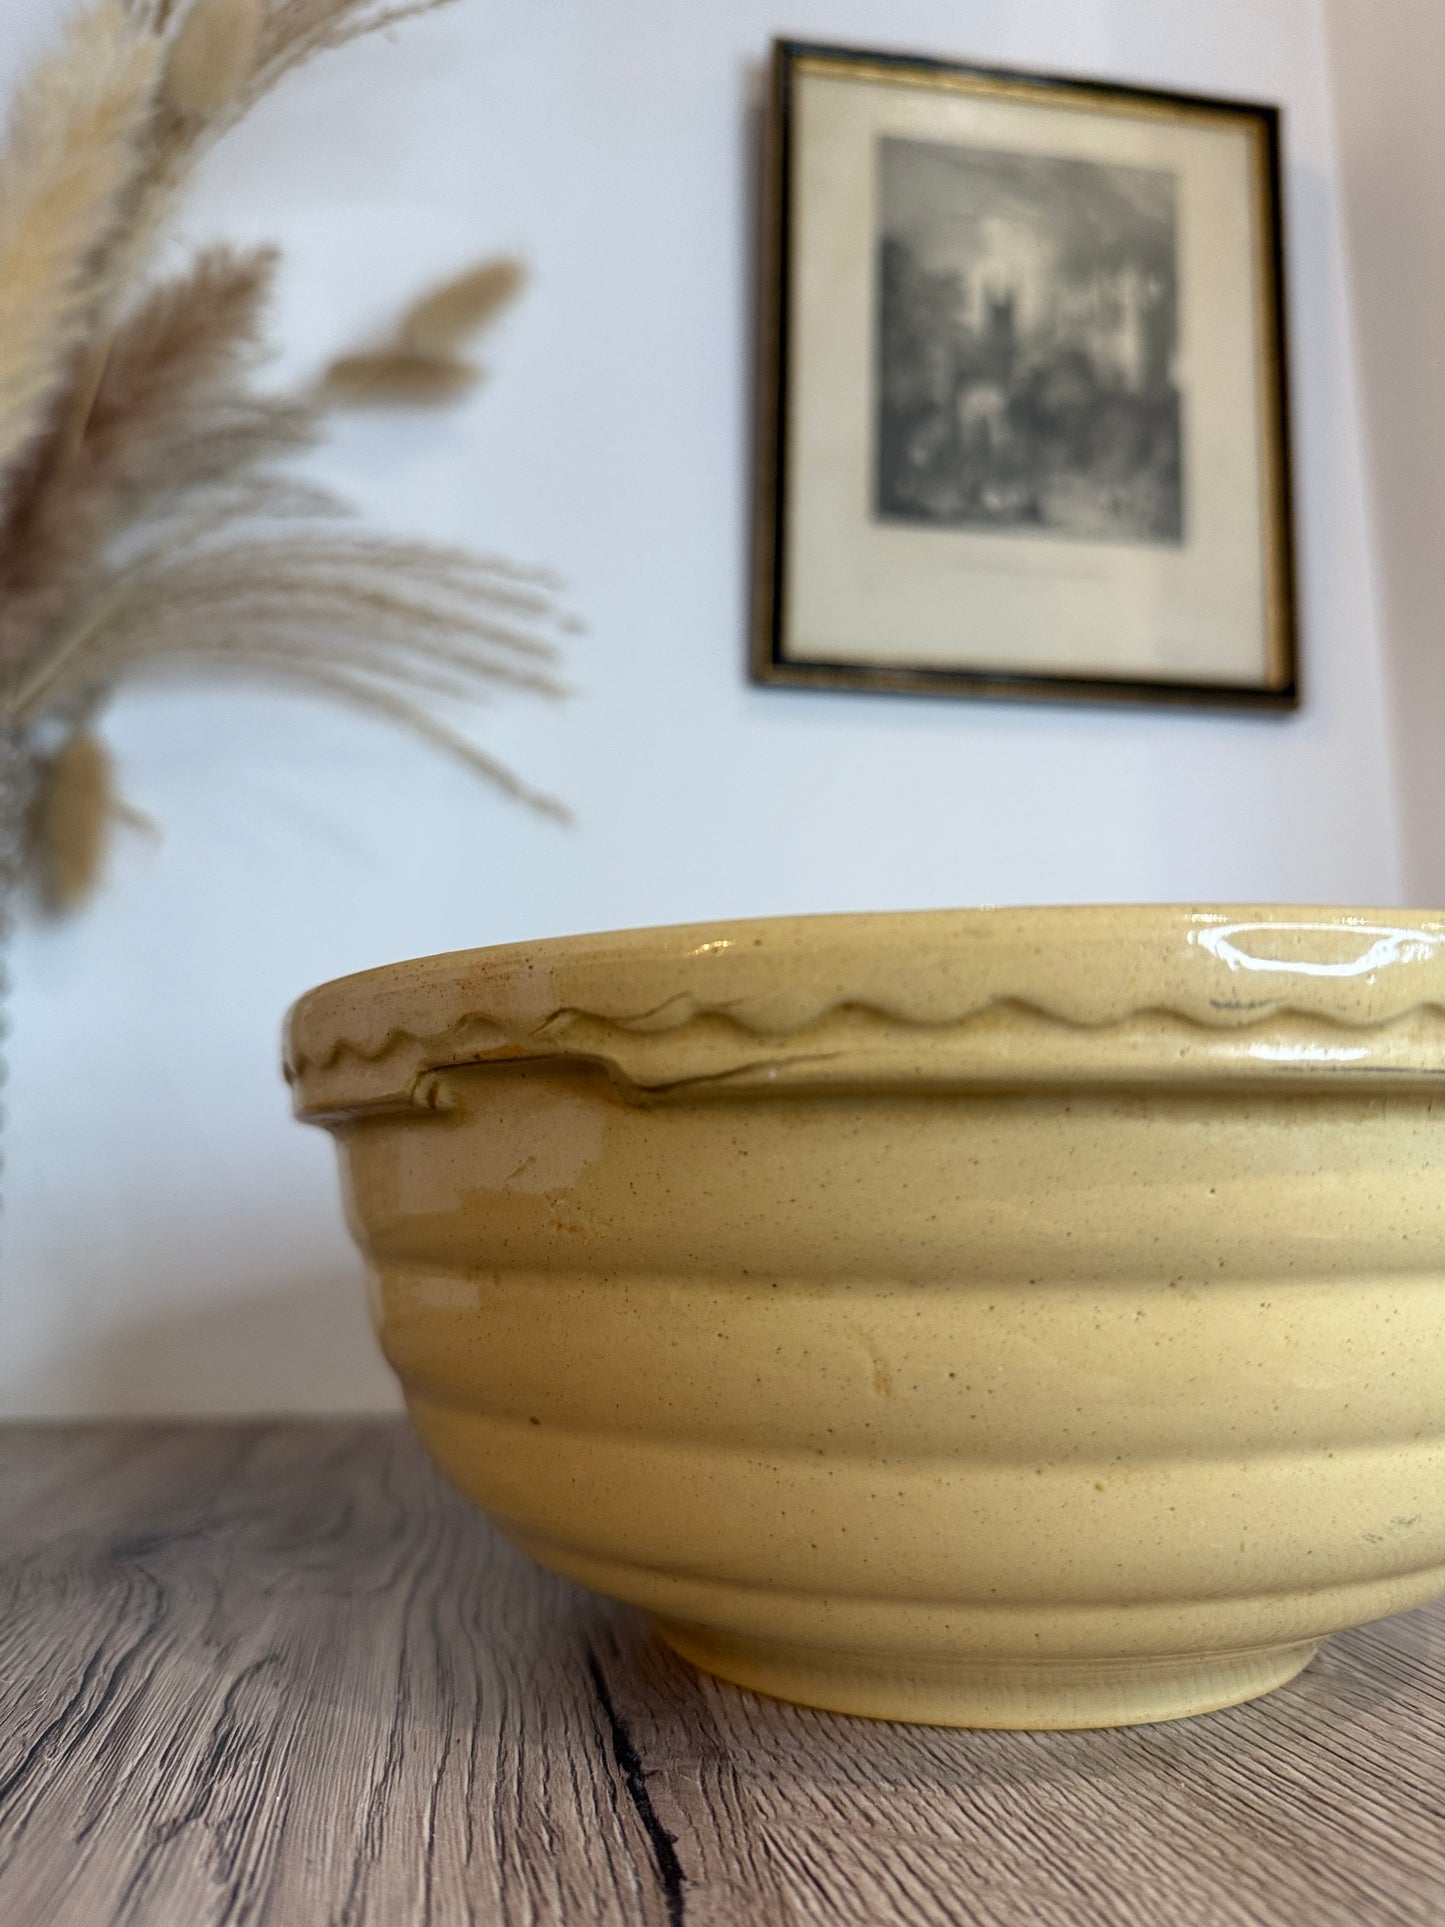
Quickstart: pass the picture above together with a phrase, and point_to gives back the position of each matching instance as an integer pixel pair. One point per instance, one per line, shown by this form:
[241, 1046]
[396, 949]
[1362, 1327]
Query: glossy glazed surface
[1006, 1318]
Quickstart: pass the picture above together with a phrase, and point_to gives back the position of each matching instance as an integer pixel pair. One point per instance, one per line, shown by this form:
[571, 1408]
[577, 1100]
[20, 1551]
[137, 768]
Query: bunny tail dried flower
[213, 56]
[396, 378]
[72, 816]
[423, 362]
[442, 320]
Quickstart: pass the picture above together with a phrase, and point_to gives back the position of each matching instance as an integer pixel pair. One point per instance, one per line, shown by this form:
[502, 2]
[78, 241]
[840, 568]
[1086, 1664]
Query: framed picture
[1023, 424]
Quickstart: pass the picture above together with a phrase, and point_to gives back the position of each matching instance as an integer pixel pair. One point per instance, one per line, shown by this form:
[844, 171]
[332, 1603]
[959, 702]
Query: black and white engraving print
[1027, 311]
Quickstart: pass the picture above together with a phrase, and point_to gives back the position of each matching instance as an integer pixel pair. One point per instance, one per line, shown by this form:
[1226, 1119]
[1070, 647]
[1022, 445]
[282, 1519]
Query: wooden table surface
[278, 1674]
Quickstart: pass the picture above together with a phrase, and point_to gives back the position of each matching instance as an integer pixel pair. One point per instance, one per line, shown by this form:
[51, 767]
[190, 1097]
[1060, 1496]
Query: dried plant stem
[82, 401]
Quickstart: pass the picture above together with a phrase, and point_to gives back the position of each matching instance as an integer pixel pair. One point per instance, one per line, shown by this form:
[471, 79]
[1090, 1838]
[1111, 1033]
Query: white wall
[1388, 63]
[171, 1241]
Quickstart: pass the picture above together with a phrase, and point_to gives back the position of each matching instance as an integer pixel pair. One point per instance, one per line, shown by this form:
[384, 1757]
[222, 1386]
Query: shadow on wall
[309, 1344]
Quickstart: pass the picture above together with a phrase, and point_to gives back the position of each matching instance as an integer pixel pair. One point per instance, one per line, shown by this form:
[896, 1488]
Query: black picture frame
[775, 656]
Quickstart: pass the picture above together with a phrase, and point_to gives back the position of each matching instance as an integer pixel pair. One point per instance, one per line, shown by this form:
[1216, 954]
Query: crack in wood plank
[634, 1778]
[280, 1674]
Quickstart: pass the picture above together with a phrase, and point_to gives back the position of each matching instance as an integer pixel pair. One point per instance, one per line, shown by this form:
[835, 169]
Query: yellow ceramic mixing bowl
[997, 1318]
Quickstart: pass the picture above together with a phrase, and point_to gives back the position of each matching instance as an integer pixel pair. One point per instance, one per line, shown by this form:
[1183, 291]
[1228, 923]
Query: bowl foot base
[1029, 1694]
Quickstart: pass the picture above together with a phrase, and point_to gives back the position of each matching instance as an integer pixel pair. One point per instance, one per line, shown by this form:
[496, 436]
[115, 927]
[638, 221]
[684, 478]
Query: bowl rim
[1011, 995]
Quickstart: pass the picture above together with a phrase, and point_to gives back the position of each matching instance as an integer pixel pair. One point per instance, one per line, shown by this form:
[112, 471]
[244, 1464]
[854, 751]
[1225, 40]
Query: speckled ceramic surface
[1007, 1318]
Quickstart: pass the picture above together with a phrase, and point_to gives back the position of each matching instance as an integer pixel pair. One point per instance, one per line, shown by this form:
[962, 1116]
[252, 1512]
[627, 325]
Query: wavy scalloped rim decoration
[552, 1038]
[927, 994]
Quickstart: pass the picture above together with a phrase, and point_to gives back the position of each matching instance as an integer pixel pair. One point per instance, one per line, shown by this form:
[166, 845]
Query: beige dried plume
[222, 61]
[74, 150]
[294, 31]
[171, 411]
[288, 33]
[381, 623]
[147, 519]
[423, 362]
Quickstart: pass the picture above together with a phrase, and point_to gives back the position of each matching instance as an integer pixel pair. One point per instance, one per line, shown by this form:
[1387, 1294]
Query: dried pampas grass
[74, 150]
[170, 412]
[219, 58]
[222, 67]
[189, 341]
[294, 31]
[381, 625]
[147, 519]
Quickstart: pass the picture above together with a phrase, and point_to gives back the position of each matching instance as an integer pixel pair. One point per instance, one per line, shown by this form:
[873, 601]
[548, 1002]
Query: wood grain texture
[278, 1674]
